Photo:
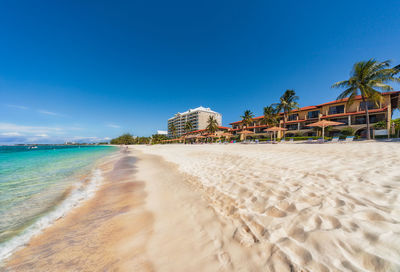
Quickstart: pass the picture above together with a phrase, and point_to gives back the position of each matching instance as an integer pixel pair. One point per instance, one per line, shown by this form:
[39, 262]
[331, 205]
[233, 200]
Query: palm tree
[270, 116]
[188, 126]
[172, 128]
[247, 118]
[367, 79]
[287, 103]
[212, 124]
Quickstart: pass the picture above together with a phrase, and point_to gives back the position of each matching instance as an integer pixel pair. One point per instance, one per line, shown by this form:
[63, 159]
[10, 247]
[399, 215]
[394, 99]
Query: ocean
[38, 185]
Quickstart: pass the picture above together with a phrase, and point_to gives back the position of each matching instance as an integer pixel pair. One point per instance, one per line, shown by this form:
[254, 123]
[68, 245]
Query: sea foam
[82, 191]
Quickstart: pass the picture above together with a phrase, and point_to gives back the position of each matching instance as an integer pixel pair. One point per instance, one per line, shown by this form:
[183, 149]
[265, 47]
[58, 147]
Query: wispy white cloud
[49, 113]
[14, 134]
[42, 135]
[113, 126]
[11, 134]
[18, 107]
[34, 130]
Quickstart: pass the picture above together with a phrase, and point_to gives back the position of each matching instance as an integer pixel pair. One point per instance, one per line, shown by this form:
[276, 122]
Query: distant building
[162, 132]
[198, 117]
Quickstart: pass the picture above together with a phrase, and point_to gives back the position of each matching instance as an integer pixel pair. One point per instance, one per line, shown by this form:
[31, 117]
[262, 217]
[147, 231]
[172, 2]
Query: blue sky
[91, 70]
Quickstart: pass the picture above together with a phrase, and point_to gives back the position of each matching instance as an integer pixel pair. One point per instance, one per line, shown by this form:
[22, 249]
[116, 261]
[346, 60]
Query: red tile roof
[305, 108]
[353, 113]
[358, 97]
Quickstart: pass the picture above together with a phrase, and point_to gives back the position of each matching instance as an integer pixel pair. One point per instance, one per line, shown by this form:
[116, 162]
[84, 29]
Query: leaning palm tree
[287, 103]
[188, 126]
[247, 118]
[367, 79]
[172, 128]
[212, 124]
[270, 116]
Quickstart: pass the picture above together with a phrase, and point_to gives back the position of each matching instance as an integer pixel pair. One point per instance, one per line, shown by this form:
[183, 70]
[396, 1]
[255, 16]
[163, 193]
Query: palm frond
[341, 84]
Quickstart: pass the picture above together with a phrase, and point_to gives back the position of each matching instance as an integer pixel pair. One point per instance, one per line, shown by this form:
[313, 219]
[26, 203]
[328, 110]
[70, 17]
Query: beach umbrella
[245, 133]
[226, 135]
[274, 129]
[323, 124]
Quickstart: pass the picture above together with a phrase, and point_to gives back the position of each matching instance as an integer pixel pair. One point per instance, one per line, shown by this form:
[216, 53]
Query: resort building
[352, 115]
[198, 117]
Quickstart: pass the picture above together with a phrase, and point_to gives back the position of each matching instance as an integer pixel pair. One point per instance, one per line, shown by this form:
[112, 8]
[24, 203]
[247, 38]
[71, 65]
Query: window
[291, 127]
[371, 105]
[313, 114]
[292, 117]
[360, 120]
[336, 109]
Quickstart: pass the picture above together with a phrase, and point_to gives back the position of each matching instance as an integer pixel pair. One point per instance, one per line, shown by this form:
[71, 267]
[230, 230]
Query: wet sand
[93, 237]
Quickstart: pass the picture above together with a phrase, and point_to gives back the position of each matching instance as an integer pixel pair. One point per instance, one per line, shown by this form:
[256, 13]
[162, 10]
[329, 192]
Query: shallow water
[33, 182]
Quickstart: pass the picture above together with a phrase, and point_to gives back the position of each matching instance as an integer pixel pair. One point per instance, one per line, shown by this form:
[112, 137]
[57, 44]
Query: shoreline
[73, 198]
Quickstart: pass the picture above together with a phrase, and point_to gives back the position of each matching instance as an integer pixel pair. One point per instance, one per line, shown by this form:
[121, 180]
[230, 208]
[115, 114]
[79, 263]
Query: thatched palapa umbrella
[323, 124]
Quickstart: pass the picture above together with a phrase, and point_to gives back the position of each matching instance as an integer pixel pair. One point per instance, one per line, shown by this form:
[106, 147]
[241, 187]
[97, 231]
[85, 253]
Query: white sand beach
[332, 207]
[285, 207]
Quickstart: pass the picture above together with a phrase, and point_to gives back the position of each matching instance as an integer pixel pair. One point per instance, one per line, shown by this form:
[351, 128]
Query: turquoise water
[33, 182]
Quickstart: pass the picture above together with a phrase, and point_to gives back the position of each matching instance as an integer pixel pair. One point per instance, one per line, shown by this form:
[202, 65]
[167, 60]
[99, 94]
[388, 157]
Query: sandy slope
[332, 207]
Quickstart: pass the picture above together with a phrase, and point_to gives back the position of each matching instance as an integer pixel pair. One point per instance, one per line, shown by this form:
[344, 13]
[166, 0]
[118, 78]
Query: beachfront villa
[352, 115]
[198, 117]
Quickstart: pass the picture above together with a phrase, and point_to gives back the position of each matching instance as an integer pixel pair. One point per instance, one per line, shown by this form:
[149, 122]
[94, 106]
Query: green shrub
[347, 131]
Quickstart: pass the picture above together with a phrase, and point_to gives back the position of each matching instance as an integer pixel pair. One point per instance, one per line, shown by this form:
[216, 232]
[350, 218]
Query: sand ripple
[333, 207]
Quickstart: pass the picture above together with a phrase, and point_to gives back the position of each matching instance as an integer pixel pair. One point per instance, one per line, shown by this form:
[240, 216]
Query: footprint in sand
[275, 212]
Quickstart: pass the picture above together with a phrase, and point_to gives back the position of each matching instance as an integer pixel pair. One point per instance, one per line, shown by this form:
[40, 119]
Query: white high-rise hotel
[198, 117]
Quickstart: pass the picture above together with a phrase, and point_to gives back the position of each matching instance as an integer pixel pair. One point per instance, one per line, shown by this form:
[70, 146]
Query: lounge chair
[335, 140]
[349, 139]
[291, 140]
[309, 140]
[320, 140]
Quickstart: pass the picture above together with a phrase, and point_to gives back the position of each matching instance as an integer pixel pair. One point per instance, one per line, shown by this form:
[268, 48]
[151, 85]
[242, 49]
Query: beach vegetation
[380, 125]
[287, 103]
[158, 138]
[188, 126]
[124, 139]
[270, 117]
[247, 118]
[172, 128]
[212, 124]
[396, 124]
[367, 79]
[347, 131]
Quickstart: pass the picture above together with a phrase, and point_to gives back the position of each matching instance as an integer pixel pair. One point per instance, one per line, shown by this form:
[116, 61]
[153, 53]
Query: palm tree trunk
[284, 123]
[367, 119]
